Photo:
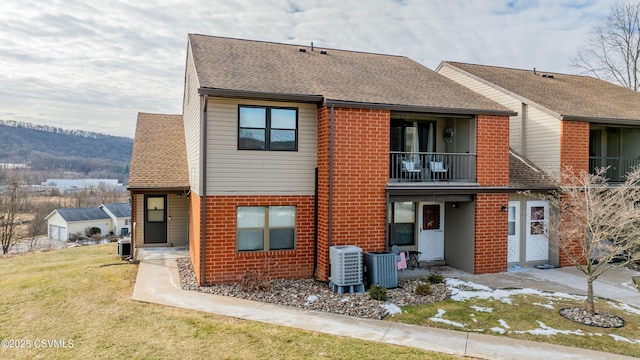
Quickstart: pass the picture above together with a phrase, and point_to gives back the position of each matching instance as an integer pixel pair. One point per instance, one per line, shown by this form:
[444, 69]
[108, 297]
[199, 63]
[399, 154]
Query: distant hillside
[55, 149]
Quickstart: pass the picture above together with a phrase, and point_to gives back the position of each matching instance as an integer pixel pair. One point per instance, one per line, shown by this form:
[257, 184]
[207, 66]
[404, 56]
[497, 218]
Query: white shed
[63, 223]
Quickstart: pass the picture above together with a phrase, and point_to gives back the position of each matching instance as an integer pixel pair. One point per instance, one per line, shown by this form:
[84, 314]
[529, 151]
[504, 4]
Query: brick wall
[492, 147]
[574, 156]
[195, 230]
[225, 264]
[360, 174]
[574, 146]
[492, 169]
[491, 233]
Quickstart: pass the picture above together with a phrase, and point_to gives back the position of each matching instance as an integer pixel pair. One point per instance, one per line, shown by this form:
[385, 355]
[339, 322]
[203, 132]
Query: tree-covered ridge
[22, 142]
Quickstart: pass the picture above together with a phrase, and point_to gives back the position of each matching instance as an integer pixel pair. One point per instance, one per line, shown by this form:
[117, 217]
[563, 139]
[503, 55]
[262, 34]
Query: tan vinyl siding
[178, 226]
[543, 140]
[245, 172]
[191, 116]
[493, 94]
[139, 228]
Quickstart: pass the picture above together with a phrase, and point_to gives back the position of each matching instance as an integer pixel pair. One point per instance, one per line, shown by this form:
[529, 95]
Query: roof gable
[119, 210]
[159, 157]
[347, 77]
[82, 214]
[571, 97]
[525, 175]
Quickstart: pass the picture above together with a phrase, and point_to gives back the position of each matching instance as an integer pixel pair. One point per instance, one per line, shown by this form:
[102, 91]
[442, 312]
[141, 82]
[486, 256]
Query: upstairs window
[267, 128]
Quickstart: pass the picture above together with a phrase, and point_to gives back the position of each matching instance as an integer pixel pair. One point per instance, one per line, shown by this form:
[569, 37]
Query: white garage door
[57, 232]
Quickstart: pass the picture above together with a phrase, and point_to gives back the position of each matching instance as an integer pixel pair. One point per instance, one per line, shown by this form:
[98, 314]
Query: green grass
[523, 315]
[65, 295]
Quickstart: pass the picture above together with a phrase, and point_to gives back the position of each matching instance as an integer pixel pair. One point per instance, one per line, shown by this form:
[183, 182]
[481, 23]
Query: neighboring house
[120, 214]
[63, 224]
[563, 121]
[283, 151]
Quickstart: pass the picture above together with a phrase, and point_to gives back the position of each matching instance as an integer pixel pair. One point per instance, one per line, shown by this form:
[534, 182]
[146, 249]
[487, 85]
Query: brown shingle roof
[525, 175]
[570, 96]
[159, 158]
[337, 76]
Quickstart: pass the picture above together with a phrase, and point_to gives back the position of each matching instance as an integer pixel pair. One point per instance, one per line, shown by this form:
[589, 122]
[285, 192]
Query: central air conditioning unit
[381, 269]
[346, 267]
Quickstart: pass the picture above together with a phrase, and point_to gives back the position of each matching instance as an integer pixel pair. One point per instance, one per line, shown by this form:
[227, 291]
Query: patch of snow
[449, 322]
[624, 339]
[311, 299]
[475, 320]
[504, 324]
[460, 283]
[392, 309]
[438, 318]
[562, 295]
[498, 330]
[465, 290]
[482, 309]
[548, 331]
[547, 305]
[625, 307]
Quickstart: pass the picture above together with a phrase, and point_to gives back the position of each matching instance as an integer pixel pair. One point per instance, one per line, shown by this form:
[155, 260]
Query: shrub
[423, 289]
[436, 278]
[378, 293]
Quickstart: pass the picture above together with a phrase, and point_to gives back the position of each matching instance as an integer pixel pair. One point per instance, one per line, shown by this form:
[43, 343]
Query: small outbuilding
[63, 224]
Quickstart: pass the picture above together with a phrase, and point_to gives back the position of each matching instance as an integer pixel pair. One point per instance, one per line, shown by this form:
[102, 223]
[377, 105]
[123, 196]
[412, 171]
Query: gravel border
[311, 294]
[599, 319]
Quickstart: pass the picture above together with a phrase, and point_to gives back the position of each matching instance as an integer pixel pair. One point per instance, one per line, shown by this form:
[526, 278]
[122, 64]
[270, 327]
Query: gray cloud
[94, 64]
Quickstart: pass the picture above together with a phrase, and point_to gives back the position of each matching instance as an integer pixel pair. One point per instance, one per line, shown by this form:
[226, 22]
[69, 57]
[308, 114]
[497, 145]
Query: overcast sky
[93, 64]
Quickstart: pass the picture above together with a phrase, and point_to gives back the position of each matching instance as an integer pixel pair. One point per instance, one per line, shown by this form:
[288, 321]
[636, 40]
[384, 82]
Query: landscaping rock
[311, 294]
[599, 319]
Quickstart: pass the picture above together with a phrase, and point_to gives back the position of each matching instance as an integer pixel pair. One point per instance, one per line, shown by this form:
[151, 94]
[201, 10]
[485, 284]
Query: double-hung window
[267, 128]
[263, 228]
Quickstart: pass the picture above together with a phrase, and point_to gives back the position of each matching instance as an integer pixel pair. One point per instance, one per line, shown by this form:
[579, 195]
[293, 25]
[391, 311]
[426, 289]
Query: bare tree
[108, 194]
[598, 225]
[12, 202]
[612, 52]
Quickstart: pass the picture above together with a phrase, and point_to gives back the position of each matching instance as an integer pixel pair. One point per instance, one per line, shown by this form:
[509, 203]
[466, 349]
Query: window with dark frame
[267, 128]
[403, 223]
[264, 228]
[431, 217]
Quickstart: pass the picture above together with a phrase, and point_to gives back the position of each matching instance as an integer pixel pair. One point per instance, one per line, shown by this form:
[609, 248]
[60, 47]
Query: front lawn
[526, 314]
[62, 304]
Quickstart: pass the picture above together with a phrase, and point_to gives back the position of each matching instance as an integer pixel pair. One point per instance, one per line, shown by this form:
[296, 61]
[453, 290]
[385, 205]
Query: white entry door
[431, 231]
[514, 232]
[537, 241]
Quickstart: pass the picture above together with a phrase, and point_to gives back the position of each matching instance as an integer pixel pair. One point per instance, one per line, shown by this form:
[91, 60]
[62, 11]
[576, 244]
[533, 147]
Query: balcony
[618, 167]
[431, 167]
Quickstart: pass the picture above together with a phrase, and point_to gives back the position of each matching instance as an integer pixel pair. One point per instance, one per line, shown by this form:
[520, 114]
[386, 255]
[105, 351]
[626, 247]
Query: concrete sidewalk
[158, 282]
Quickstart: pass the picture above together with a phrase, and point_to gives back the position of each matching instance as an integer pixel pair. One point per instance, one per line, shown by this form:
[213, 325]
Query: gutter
[414, 108]
[321, 100]
[460, 190]
[243, 94]
[611, 121]
[203, 189]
